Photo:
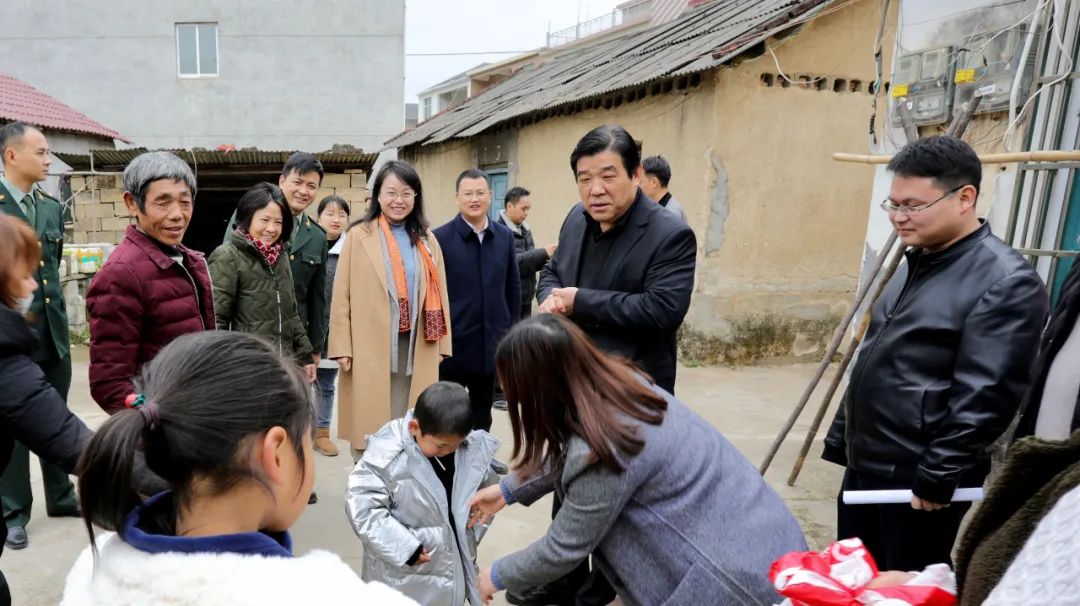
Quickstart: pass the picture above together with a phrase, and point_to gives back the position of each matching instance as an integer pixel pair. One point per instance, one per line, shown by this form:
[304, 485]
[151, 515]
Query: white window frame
[198, 52]
[427, 108]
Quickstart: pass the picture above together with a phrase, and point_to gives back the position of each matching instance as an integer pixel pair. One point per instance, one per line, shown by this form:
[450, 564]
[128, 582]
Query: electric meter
[923, 81]
[987, 65]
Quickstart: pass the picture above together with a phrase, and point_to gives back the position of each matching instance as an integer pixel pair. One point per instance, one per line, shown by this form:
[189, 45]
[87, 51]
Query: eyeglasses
[390, 196]
[471, 195]
[889, 206]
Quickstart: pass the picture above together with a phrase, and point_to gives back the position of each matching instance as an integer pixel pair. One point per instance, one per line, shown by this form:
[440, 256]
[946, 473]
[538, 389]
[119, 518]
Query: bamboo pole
[1003, 158]
[834, 345]
[853, 345]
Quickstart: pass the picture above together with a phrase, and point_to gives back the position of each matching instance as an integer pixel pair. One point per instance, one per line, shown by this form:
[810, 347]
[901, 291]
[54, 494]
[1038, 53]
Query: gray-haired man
[153, 288]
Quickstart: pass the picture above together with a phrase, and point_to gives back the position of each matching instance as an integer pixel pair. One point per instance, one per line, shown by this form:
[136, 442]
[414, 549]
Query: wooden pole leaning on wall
[830, 351]
[849, 354]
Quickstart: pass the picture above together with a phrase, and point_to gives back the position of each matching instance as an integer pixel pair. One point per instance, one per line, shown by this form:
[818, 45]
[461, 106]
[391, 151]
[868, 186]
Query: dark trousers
[15, 491]
[899, 537]
[481, 387]
[526, 311]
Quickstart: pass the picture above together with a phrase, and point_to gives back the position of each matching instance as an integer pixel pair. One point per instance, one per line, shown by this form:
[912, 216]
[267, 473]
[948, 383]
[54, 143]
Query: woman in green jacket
[253, 289]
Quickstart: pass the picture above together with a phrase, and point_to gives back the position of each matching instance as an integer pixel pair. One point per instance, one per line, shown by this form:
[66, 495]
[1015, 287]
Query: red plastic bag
[839, 575]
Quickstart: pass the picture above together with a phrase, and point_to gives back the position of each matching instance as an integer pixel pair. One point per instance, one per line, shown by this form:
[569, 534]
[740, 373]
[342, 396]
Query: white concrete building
[198, 73]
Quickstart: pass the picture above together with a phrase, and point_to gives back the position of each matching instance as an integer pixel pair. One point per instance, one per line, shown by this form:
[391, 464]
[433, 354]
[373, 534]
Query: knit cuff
[495, 577]
[929, 489]
[507, 495]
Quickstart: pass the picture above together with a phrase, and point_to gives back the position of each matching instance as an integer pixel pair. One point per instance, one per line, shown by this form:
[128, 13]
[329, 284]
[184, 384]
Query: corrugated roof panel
[214, 158]
[681, 47]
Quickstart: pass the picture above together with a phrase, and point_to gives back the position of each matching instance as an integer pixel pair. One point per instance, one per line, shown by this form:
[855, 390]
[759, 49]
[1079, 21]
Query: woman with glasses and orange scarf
[389, 317]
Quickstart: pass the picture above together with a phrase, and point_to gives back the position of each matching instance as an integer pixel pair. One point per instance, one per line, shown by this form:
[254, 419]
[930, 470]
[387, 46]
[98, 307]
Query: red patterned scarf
[434, 316]
[270, 253]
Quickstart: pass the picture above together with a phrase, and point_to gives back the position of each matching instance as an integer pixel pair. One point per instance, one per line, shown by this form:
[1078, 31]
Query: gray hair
[154, 166]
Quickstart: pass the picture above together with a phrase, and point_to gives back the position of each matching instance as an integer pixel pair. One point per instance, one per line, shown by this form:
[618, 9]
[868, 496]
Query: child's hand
[485, 504]
[424, 557]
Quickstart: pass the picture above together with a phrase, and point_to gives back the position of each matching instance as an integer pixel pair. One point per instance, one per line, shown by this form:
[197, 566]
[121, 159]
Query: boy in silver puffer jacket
[408, 496]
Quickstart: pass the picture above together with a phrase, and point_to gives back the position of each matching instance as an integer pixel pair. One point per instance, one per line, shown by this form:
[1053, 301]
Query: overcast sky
[468, 26]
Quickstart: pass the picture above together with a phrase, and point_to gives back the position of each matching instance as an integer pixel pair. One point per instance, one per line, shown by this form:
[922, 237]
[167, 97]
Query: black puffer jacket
[944, 364]
[30, 410]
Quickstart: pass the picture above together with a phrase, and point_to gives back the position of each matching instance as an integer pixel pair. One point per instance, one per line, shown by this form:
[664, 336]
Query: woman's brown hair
[19, 251]
[559, 384]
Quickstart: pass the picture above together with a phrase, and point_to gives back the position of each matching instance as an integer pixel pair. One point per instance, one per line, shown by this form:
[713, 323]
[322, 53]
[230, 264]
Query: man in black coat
[623, 271]
[484, 289]
[1051, 408]
[624, 267]
[945, 360]
[530, 260]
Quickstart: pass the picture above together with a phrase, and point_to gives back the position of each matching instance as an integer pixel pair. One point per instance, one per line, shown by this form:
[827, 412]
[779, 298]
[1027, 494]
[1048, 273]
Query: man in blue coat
[484, 288]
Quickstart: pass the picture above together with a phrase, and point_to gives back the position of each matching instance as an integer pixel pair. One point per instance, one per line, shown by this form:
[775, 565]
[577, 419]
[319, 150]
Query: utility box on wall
[923, 80]
[987, 65]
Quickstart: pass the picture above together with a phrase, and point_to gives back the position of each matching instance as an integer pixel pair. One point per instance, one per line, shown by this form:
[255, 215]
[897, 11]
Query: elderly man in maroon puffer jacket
[152, 289]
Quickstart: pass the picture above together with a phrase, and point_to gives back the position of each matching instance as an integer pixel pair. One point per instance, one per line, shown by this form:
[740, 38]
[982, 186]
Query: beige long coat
[359, 328]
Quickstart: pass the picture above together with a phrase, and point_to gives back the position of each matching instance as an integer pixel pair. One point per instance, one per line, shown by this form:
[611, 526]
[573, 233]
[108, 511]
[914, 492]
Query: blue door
[1070, 240]
[499, 182]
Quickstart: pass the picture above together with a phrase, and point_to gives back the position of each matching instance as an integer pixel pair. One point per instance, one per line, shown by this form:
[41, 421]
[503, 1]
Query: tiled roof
[702, 38]
[20, 101]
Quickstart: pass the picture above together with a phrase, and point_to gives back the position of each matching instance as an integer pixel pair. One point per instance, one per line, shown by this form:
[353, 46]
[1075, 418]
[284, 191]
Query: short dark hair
[259, 197]
[604, 138]
[333, 200]
[415, 224]
[12, 132]
[443, 409]
[515, 194]
[658, 167]
[302, 163]
[212, 391]
[472, 173]
[949, 161]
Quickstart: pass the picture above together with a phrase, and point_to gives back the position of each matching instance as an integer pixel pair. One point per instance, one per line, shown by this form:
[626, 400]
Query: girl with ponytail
[226, 422]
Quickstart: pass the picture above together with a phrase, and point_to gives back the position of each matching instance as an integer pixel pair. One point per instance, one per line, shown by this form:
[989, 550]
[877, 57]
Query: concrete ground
[747, 405]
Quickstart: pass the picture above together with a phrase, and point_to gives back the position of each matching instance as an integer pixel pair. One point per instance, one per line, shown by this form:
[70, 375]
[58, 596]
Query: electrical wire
[975, 8]
[522, 52]
[831, 71]
[1058, 39]
[875, 92]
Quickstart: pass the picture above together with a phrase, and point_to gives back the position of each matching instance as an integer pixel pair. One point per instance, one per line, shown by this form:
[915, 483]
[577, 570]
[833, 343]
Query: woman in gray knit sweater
[669, 510]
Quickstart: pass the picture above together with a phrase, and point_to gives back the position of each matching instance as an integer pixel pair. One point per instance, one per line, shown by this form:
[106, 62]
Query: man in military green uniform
[299, 181]
[26, 162]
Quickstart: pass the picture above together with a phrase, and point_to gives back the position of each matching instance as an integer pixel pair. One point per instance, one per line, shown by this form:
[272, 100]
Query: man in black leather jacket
[944, 363]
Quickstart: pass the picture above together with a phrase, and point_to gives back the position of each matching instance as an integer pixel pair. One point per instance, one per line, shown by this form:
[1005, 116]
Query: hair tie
[148, 409]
